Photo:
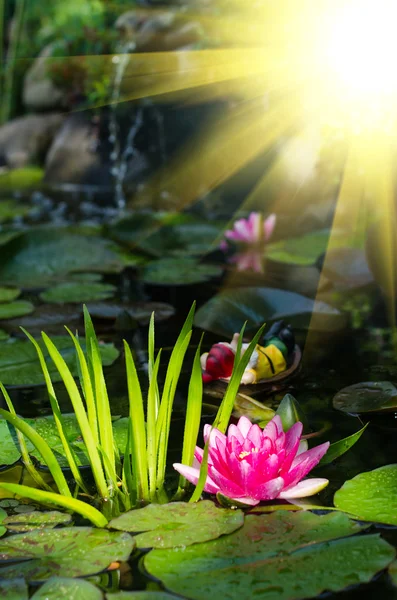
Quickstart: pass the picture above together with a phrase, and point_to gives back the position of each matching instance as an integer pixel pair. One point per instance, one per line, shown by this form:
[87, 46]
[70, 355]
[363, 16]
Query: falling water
[120, 156]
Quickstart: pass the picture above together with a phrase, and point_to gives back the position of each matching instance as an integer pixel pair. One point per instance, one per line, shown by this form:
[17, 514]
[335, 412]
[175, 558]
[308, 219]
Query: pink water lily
[253, 230]
[249, 465]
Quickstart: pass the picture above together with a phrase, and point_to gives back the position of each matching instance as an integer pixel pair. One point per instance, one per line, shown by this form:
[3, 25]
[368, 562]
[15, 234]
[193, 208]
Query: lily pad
[14, 589]
[65, 588]
[371, 496]
[3, 516]
[251, 408]
[19, 364]
[367, 397]
[19, 308]
[135, 229]
[178, 271]
[36, 520]
[42, 255]
[9, 446]
[77, 551]
[21, 179]
[185, 239]
[144, 595]
[178, 523]
[281, 556]
[139, 311]
[9, 294]
[11, 209]
[48, 317]
[226, 312]
[304, 250]
[78, 292]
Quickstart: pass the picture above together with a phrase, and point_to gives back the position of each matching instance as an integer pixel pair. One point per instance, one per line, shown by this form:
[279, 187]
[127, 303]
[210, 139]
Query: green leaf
[252, 409]
[3, 516]
[14, 589]
[178, 271]
[77, 551]
[178, 523]
[9, 445]
[42, 255]
[138, 311]
[371, 496]
[24, 178]
[304, 250]
[19, 363]
[290, 412]
[227, 311]
[19, 308]
[338, 448]
[9, 294]
[367, 397]
[65, 588]
[142, 595]
[134, 230]
[281, 556]
[78, 292]
[36, 520]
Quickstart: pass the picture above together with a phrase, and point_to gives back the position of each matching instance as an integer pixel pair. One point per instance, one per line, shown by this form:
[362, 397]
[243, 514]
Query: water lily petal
[255, 435]
[226, 486]
[244, 425]
[192, 475]
[270, 490]
[307, 487]
[269, 225]
[215, 434]
[234, 432]
[273, 428]
[246, 500]
[303, 464]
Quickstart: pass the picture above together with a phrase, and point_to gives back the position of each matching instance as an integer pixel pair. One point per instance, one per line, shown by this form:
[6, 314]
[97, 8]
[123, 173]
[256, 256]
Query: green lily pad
[78, 292]
[144, 595]
[21, 179]
[42, 255]
[14, 589]
[86, 277]
[19, 308]
[281, 556]
[304, 250]
[3, 516]
[252, 409]
[226, 312]
[19, 364]
[9, 294]
[366, 397]
[178, 523]
[372, 496]
[135, 229]
[138, 311]
[178, 271]
[185, 239]
[36, 520]
[11, 209]
[65, 588]
[77, 551]
[48, 317]
[9, 446]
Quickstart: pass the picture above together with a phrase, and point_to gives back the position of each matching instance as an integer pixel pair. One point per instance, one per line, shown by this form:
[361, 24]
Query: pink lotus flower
[249, 465]
[253, 230]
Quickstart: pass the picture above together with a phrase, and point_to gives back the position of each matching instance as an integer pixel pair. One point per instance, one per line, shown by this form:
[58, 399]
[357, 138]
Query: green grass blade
[167, 400]
[58, 419]
[87, 387]
[82, 508]
[151, 346]
[193, 413]
[41, 445]
[128, 482]
[203, 473]
[137, 415]
[151, 428]
[81, 416]
[27, 461]
[225, 410]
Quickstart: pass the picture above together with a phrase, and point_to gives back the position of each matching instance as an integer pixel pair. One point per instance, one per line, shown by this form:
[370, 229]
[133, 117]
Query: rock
[74, 156]
[159, 32]
[26, 140]
[39, 92]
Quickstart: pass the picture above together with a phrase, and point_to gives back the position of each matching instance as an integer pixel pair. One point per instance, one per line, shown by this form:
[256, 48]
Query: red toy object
[218, 363]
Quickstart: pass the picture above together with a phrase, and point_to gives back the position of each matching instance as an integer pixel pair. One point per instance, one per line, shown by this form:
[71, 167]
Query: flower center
[245, 453]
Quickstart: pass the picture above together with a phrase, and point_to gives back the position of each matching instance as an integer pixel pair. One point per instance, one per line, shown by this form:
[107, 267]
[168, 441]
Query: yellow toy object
[266, 362]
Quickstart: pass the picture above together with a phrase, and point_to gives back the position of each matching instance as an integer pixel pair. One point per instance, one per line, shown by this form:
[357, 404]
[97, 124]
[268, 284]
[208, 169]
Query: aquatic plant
[250, 464]
[137, 477]
[253, 230]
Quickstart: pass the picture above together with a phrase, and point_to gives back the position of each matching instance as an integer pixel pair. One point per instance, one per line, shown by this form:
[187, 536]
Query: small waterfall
[119, 155]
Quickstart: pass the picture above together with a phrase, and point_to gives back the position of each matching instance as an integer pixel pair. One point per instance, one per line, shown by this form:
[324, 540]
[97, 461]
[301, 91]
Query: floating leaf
[9, 445]
[36, 520]
[144, 595]
[225, 313]
[14, 589]
[135, 229]
[42, 255]
[339, 448]
[251, 408]
[304, 250]
[281, 556]
[11, 209]
[19, 308]
[65, 588]
[19, 364]
[139, 311]
[78, 292]
[178, 523]
[371, 496]
[178, 271]
[9, 294]
[3, 516]
[77, 551]
[368, 396]
[50, 317]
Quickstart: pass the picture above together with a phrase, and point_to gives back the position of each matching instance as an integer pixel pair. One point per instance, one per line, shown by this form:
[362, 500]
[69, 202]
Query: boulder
[39, 91]
[25, 140]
